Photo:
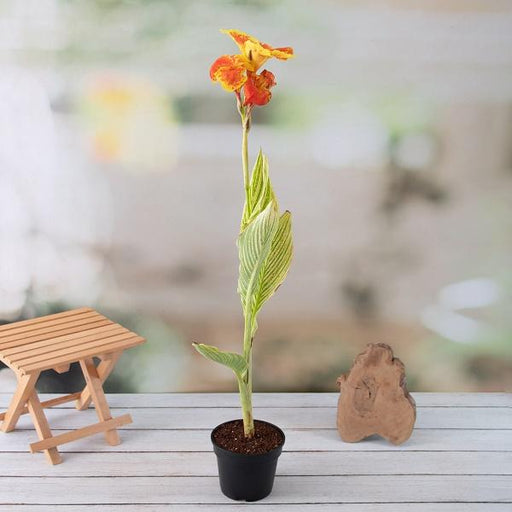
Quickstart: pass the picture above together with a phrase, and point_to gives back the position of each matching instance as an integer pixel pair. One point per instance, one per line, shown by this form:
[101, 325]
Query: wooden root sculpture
[374, 398]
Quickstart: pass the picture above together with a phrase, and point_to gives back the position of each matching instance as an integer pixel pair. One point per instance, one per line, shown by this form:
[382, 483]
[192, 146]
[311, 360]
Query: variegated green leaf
[277, 263]
[254, 244]
[260, 191]
[230, 359]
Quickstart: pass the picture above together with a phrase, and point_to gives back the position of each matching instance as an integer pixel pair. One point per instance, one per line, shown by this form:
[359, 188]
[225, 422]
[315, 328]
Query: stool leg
[42, 427]
[98, 397]
[104, 370]
[25, 388]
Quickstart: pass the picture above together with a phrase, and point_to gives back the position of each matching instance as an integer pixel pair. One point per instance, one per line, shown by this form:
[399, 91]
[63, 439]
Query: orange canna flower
[236, 71]
[257, 88]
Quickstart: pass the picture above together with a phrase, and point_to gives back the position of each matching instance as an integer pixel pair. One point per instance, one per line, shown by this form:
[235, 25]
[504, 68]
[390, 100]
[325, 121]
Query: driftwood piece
[374, 398]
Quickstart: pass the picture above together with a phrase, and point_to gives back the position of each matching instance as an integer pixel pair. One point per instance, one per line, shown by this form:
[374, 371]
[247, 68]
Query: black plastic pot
[246, 477]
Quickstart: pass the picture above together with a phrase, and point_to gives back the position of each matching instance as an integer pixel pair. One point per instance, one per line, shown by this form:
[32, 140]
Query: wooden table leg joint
[95, 387]
[62, 368]
[42, 427]
[26, 386]
[104, 369]
[49, 403]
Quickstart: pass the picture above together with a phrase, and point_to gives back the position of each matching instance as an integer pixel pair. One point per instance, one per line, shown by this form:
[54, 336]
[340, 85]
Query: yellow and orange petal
[284, 53]
[229, 71]
[257, 88]
[254, 52]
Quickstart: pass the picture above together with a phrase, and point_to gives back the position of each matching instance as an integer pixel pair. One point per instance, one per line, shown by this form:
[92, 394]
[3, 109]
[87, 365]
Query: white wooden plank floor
[459, 458]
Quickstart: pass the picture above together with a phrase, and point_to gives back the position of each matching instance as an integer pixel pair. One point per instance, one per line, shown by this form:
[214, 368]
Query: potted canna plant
[247, 450]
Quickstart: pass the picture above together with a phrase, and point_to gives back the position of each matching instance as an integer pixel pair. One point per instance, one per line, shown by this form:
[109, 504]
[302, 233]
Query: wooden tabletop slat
[74, 347]
[143, 439]
[287, 489]
[49, 338]
[320, 420]
[103, 348]
[43, 319]
[452, 401]
[52, 345]
[202, 463]
[268, 507]
[50, 327]
[77, 348]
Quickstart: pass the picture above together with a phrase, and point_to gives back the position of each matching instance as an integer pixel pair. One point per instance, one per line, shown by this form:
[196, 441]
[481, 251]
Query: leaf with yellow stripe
[254, 245]
[260, 191]
[230, 359]
[277, 263]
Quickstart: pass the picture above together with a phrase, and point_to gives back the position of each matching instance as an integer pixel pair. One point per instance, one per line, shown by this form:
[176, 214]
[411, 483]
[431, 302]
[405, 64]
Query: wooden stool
[56, 341]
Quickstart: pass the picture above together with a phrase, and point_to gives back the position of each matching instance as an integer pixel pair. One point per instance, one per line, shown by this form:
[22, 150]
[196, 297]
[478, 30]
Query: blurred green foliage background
[389, 138]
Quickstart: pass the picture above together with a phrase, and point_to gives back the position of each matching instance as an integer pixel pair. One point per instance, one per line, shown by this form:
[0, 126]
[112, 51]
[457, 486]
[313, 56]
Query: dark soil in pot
[247, 467]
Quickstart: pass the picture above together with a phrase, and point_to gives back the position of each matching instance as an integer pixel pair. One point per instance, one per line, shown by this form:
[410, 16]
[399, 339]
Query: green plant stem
[246, 122]
[246, 393]
[246, 403]
[245, 383]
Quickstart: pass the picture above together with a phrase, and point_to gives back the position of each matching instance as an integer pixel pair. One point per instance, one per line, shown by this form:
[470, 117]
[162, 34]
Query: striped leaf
[277, 263]
[260, 191]
[230, 359]
[254, 245]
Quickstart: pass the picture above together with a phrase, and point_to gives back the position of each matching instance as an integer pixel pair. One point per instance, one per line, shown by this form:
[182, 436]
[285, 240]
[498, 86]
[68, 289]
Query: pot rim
[277, 450]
